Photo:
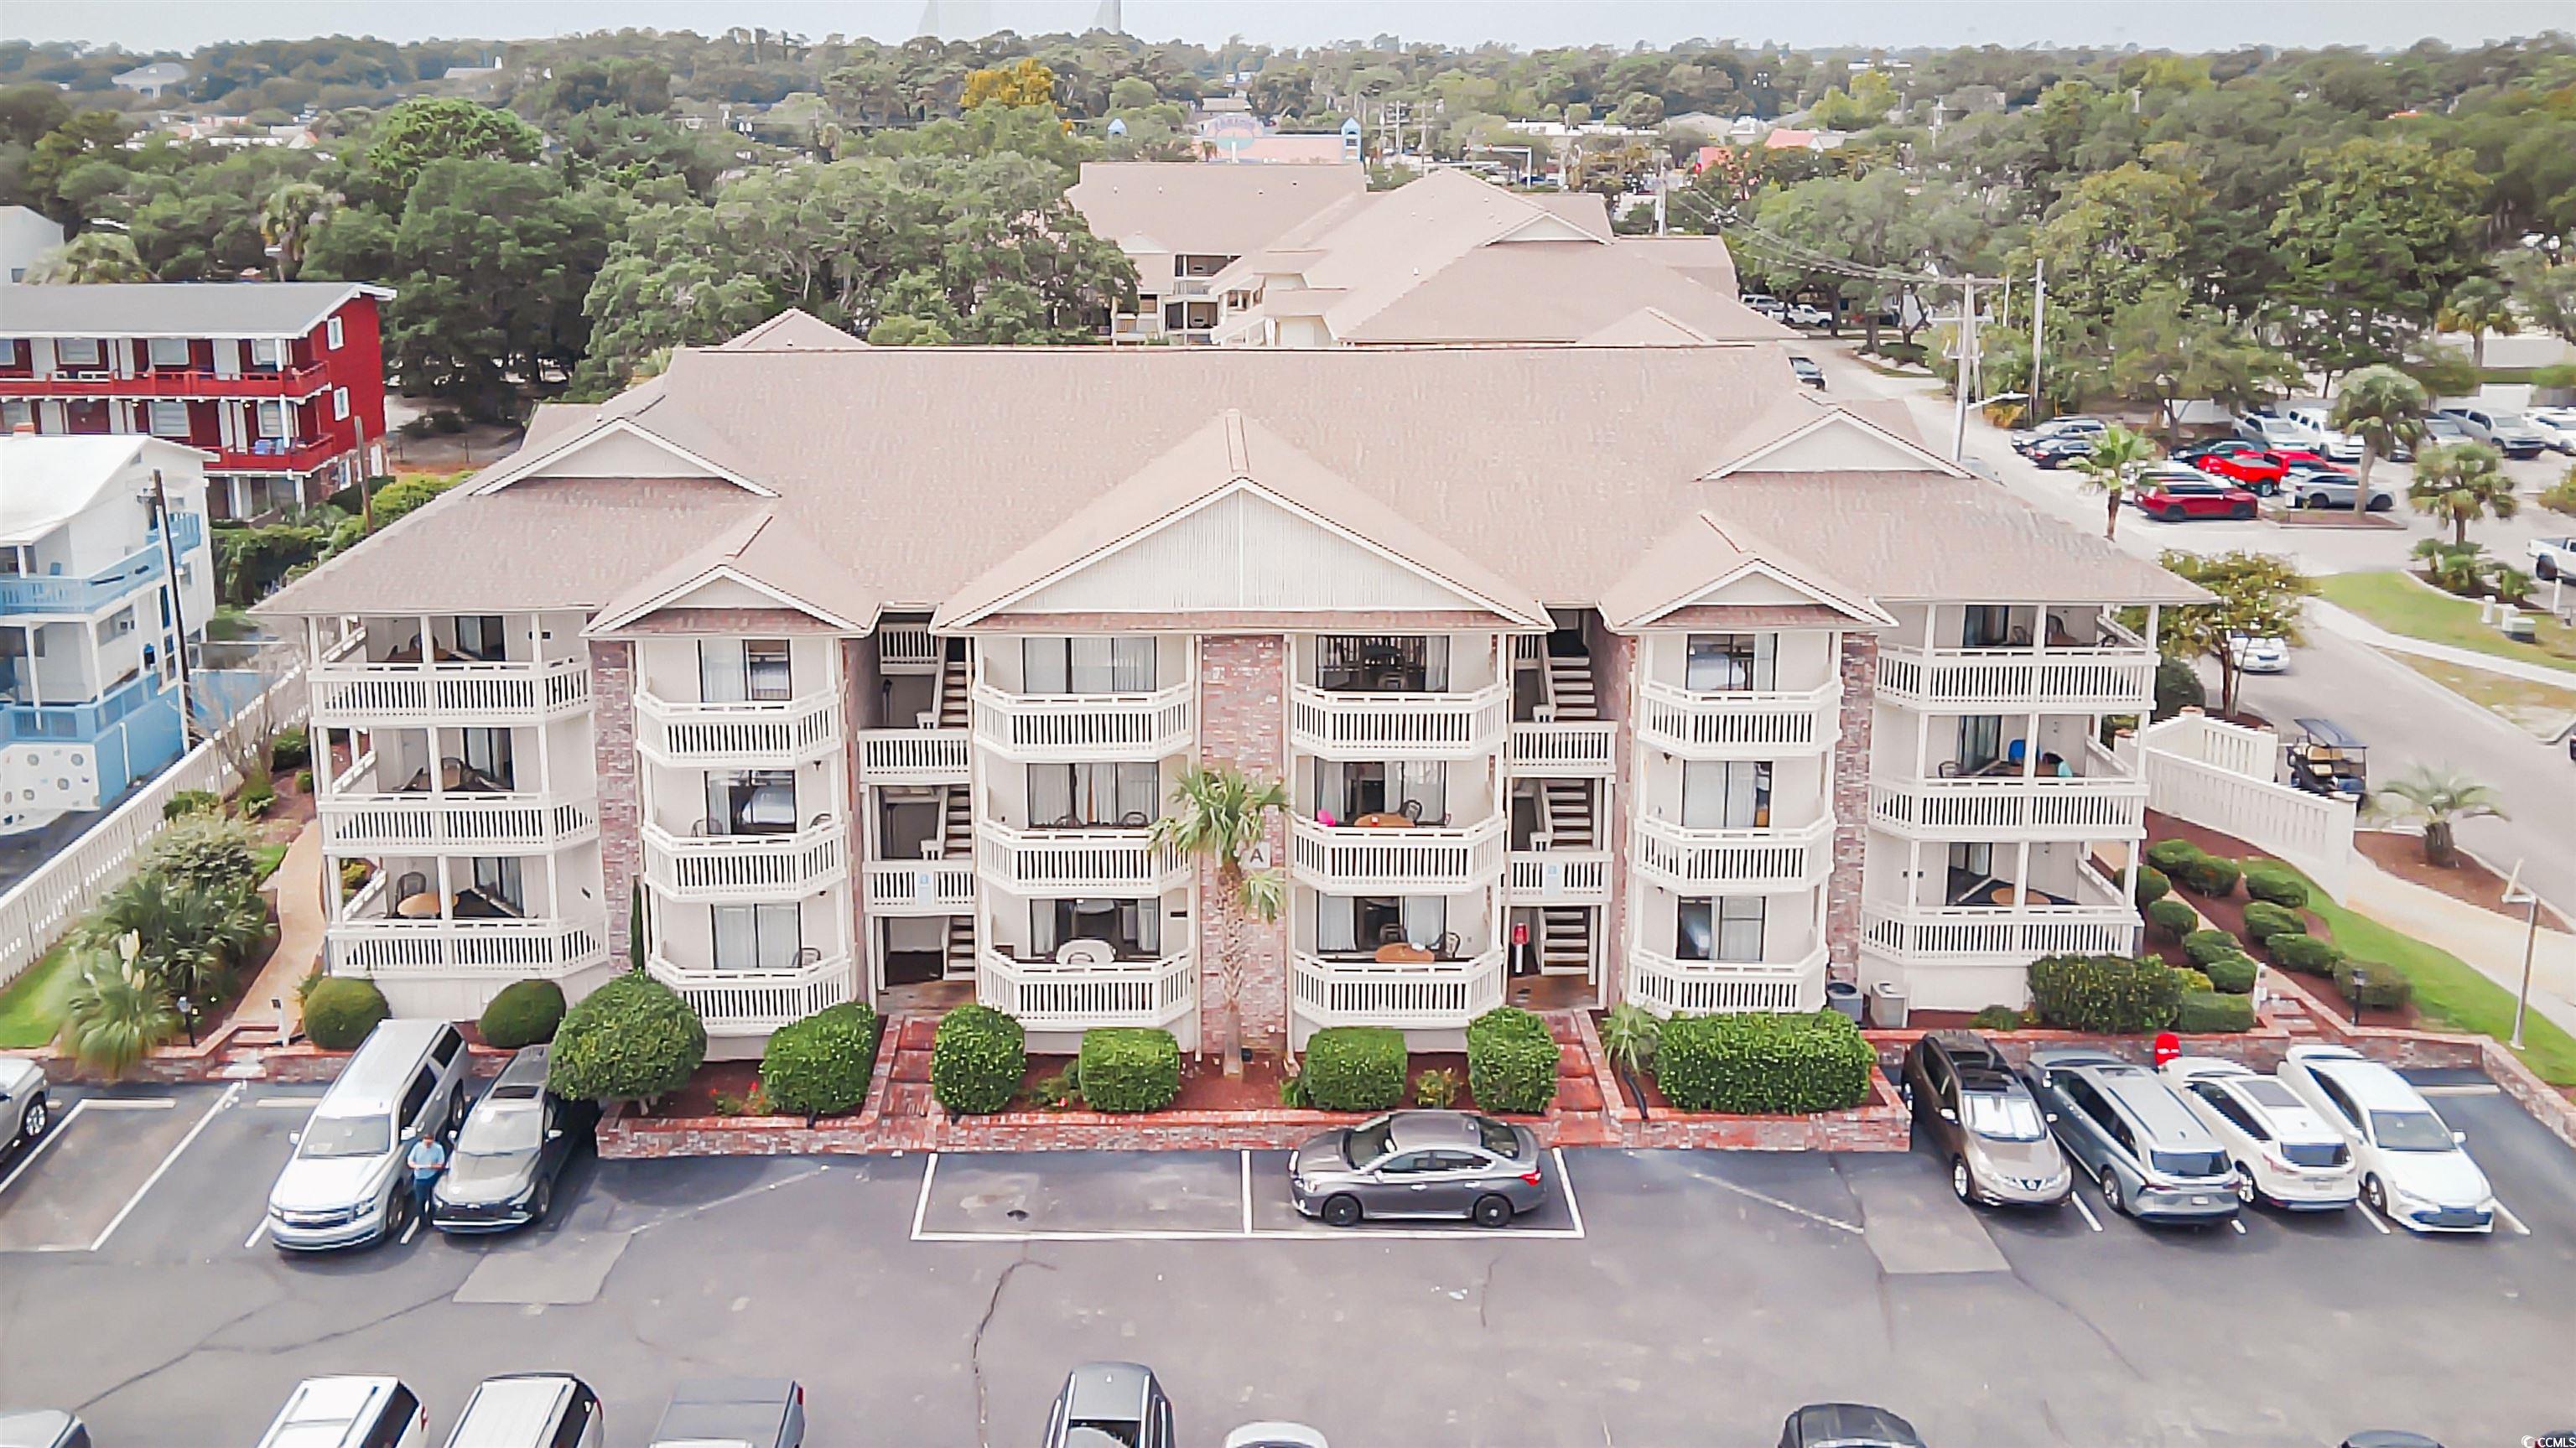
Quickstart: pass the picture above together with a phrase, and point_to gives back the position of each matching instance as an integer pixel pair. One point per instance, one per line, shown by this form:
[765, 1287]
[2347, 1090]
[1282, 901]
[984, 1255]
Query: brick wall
[1243, 725]
[612, 726]
[1614, 691]
[1851, 807]
[860, 708]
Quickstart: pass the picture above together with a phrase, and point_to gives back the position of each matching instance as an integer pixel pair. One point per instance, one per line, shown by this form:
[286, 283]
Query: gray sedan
[1415, 1164]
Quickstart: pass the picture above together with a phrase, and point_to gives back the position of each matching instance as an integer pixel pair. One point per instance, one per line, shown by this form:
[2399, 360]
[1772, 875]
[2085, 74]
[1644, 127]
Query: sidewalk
[299, 934]
[2490, 943]
[2361, 630]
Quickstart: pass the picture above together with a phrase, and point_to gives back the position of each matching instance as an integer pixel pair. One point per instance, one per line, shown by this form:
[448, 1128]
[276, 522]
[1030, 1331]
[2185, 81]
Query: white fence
[2221, 776]
[40, 909]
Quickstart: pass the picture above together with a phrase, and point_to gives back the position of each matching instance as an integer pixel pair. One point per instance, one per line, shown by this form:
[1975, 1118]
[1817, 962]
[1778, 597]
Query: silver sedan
[1416, 1164]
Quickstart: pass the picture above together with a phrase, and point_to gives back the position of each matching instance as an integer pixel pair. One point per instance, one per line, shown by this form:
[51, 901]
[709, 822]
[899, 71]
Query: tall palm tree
[2384, 408]
[288, 217]
[116, 1011]
[2441, 798]
[2107, 470]
[2461, 485]
[1220, 815]
[2478, 306]
[89, 258]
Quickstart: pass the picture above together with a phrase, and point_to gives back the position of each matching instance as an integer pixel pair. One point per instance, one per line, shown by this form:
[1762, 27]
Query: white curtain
[1336, 923]
[1042, 667]
[1424, 782]
[1331, 796]
[1425, 917]
[1050, 793]
[737, 941]
[720, 671]
[1131, 664]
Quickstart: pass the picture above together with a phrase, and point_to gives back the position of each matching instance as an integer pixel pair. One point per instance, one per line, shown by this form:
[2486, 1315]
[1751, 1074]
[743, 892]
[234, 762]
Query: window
[766, 672]
[9, 345]
[76, 351]
[1726, 928]
[416, 1099]
[16, 415]
[751, 802]
[2189, 1163]
[331, 334]
[169, 352]
[1413, 1163]
[756, 937]
[1998, 1116]
[499, 879]
[1132, 928]
[169, 419]
[732, 671]
[1127, 793]
[1090, 664]
[1731, 794]
[267, 353]
[1732, 663]
[1346, 789]
[339, 402]
[2409, 1131]
[2335, 1096]
[449, 1043]
[272, 419]
[2219, 1099]
[1981, 741]
[487, 753]
[479, 635]
[1382, 663]
[1985, 626]
[393, 1421]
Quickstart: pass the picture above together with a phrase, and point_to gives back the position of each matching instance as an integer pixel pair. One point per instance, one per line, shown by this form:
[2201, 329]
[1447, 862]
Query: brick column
[859, 700]
[1851, 807]
[612, 727]
[1614, 687]
[1243, 725]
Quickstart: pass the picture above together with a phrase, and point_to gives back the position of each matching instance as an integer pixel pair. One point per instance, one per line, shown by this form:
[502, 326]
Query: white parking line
[256, 1232]
[2238, 1223]
[2077, 1197]
[132, 1103]
[921, 1208]
[290, 1103]
[1247, 1194]
[1791, 1208]
[2511, 1220]
[2372, 1217]
[2476, 1088]
[52, 1135]
[1573, 1208]
[411, 1229]
[231, 1094]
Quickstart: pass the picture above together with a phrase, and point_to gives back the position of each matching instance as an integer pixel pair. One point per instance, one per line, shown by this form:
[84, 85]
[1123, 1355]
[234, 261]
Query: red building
[282, 382]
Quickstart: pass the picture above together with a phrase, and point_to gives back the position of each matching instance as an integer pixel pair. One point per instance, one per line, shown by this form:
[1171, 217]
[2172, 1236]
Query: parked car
[2443, 430]
[2413, 1171]
[2248, 464]
[1419, 1164]
[2175, 493]
[1981, 1117]
[2340, 447]
[2284, 1154]
[24, 1111]
[1768, 305]
[1110, 1405]
[352, 1412]
[2264, 655]
[2501, 428]
[733, 1412]
[2557, 424]
[1800, 314]
[346, 1184]
[43, 1428]
[530, 1410]
[2553, 558]
[1808, 372]
[1847, 1425]
[2272, 430]
[2332, 487]
[1275, 1435]
[2122, 1124]
[510, 1151]
[2023, 439]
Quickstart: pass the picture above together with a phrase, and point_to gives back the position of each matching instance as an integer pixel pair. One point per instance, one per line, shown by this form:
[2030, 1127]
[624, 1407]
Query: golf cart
[2325, 759]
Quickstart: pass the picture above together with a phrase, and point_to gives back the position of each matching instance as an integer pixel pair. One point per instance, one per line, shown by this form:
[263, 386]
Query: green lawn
[2448, 990]
[2401, 605]
[31, 1009]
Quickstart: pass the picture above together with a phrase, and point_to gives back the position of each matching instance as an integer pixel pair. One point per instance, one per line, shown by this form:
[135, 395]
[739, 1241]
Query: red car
[2177, 493]
[2238, 461]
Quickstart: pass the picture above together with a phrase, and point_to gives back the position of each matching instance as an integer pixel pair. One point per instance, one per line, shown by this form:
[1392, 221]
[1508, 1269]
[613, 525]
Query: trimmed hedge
[1764, 1064]
[1511, 1061]
[2212, 1011]
[2276, 886]
[820, 1066]
[2210, 876]
[340, 1009]
[2108, 993]
[2204, 946]
[1129, 1068]
[2193, 979]
[523, 1013]
[2174, 917]
[630, 1040]
[2263, 921]
[2233, 974]
[2304, 954]
[2383, 988]
[1997, 1018]
[1355, 1068]
[2153, 885]
[2166, 855]
[977, 1059]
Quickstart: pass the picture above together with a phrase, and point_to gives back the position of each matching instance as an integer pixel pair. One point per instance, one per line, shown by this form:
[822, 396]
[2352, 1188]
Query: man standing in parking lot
[427, 1159]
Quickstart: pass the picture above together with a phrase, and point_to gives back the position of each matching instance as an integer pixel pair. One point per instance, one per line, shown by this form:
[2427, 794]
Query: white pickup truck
[2553, 558]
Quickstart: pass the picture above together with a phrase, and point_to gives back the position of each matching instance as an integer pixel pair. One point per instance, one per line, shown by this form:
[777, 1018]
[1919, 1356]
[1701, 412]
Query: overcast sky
[2174, 24]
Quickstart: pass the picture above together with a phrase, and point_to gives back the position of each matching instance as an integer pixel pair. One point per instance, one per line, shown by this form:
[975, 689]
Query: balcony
[61, 594]
[1398, 726]
[296, 382]
[76, 723]
[919, 887]
[913, 756]
[2098, 921]
[723, 869]
[464, 824]
[1066, 728]
[1588, 749]
[1428, 996]
[1557, 877]
[2108, 804]
[907, 645]
[757, 1002]
[2116, 676]
[356, 694]
[1669, 986]
[1047, 995]
[1119, 862]
[483, 949]
[759, 734]
[1416, 861]
[1704, 862]
[279, 457]
[1765, 725]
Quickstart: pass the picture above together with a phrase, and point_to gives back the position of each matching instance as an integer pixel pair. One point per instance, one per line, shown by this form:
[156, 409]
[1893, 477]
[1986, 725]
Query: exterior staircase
[1565, 808]
[957, 810]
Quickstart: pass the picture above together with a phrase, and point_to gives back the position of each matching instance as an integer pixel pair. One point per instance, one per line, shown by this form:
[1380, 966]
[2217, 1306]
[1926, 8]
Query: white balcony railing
[2109, 804]
[1074, 727]
[1588, 749]
[454, 823]
[1558, 877]
[1399, 726]
[1346, 861]
[913, 756]
[716, 869]
[752, 734]
[756, 1002]
[1431, 995]
[1739, 726]
[919, 887]
[906, 645]
[1047, 996]
[2117, 676]
[1076, 862]
[459, 692]
[2015, 934]
[1701, 862]
[428, 949]
[1669, 986]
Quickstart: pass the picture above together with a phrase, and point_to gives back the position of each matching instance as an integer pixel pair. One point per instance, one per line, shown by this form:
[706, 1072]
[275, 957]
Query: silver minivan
[354, 1412]
[346, 1183]
[530, 1410]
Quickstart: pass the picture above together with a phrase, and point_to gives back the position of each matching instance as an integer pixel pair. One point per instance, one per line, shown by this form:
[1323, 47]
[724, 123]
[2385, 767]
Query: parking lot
[1659, 1298]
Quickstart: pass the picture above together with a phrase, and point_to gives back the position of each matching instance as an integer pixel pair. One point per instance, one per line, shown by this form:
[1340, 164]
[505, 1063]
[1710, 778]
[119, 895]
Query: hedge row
[2175, 918]
[1762, 1064]
[1127, 1068]
[522, 1013]
[2264, 920]
[2194, 868]
[2276, 885]
[1511, 1061]
[340, 1009]
[1355, 1068]
[2112, 994]
[2304, 954]
[2382, 988]
[2212, 1011]
[821, 1065]
[630, 1040]
[977, 1060]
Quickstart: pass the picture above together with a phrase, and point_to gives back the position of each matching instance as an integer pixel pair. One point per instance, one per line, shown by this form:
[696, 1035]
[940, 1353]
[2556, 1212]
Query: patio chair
[1447, 946]
[805, 956]
[1949, 769]
[410, 883]
[1411, 810]
[1133, 819]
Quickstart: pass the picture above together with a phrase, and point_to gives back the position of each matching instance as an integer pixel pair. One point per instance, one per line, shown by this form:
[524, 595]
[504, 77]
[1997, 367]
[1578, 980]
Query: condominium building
[105, 580]
[1589, 673]
[1182, 222]
[281, 384]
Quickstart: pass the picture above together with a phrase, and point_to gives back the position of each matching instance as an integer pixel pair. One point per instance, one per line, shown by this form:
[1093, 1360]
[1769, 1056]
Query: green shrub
[1763, 1063]
[2305, 954]
[2204, 946]
[2153, 885]
[2233, 974]
[188, 802]
[256, 797]
[1511, 1061]
[630, 1040]
[2263, 921]
[2107, 993]
[1355, 1068]
[2210, 1011]
[977, 1060]
[2174, 917]
[2178, 687]
[820, 1066]
[291, 749]
[2276, 886]
[354, 875]
[341, 1009]
[202, 849]
[1294, 1094]
[2193, 980]
[523, 1013]
[304, 781]
[2210, 877]
[1997, 1018]
[2170, 855]
[1129, 1068]
[2383, 988]
[1436, 1090]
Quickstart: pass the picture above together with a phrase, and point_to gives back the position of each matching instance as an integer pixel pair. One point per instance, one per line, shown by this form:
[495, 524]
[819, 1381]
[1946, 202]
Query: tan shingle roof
[1553, 291]
[1206, 208]
[1707, 549]
[793, 330]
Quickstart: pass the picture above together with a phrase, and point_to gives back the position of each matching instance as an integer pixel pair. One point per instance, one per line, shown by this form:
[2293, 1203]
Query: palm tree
[2385, 409]
[116, 1011]
[287, 220]
[2109, 467]
[2461, 485]
[2478, 306]
[91, 257]
[2442, 798]
[1220, 815]
[188, 936]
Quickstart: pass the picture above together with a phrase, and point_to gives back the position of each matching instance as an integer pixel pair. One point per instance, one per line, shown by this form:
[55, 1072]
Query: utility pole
[1966, 376]
[178, 602]
[2038, 317]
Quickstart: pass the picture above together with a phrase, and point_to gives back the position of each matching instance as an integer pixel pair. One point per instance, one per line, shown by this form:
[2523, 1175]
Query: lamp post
[2360, 980]
[2516, 893]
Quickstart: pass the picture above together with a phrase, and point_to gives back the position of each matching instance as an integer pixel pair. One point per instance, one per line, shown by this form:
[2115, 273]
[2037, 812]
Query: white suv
[2284, 1153]
[2412, 1169]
